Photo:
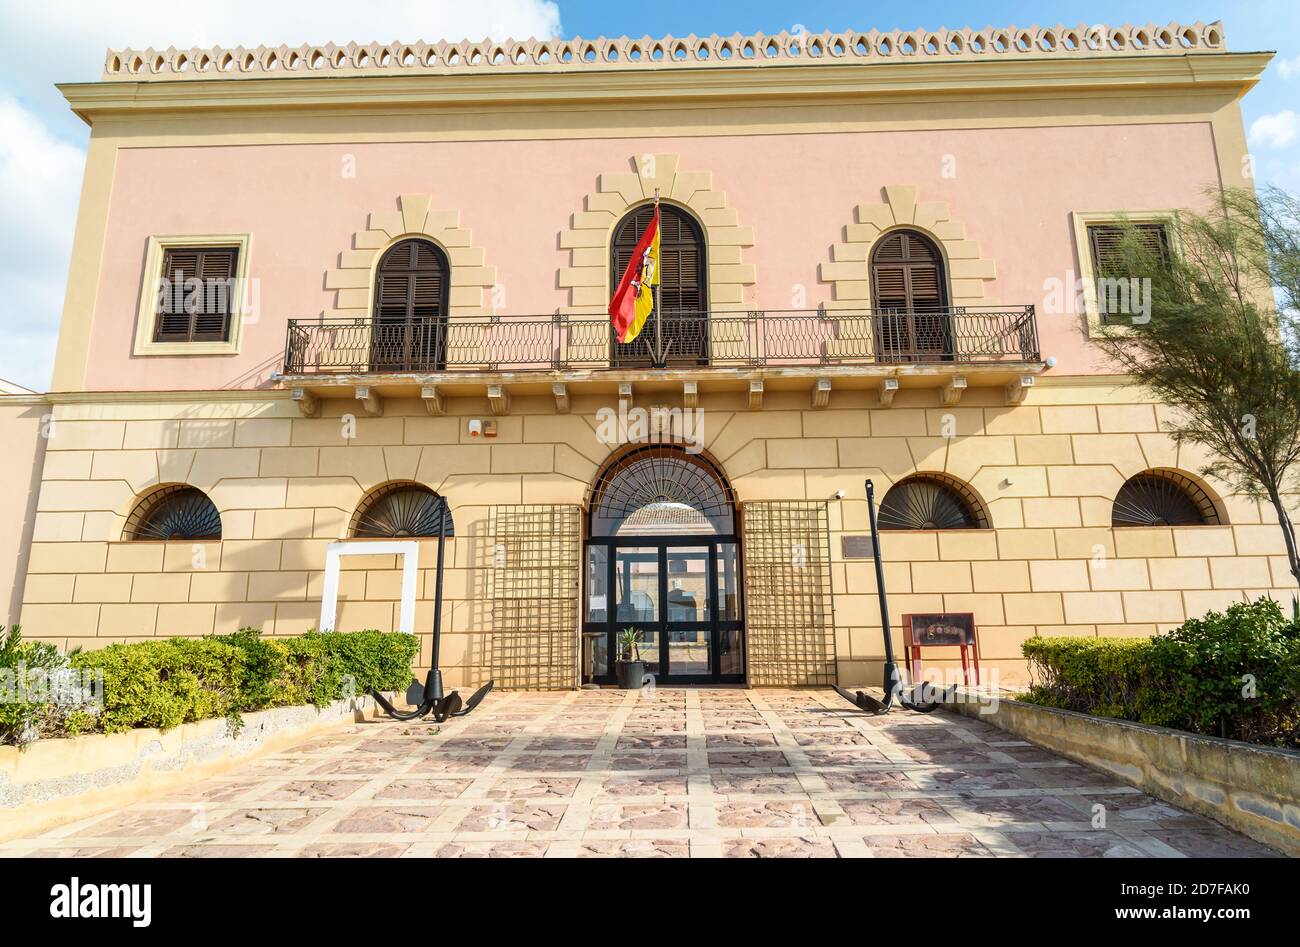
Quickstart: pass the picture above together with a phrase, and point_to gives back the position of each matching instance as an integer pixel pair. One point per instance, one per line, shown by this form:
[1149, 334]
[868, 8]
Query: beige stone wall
[287, 485]
[21, 421]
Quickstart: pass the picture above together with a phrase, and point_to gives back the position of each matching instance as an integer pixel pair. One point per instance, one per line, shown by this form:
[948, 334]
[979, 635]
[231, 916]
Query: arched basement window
[1163, 498]
[176, 512]
[683, 288]
[412, 296]
[402, 511]
[907, 278]
[662, 491]
[931, 501]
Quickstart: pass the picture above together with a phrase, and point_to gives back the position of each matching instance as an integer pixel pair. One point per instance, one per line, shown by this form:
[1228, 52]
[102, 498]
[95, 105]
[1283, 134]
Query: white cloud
[41, 157]
[72, 35]
[1289, 68]
[40, 178]
[1276, 130]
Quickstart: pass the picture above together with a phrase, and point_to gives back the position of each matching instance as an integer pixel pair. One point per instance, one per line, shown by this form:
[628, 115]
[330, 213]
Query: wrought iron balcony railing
[791, 338]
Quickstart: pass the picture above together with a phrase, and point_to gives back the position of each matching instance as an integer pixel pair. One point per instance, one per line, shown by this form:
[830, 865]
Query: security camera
[839, 494]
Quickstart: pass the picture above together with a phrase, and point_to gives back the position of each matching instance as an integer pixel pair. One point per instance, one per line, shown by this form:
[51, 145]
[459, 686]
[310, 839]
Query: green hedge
[178, 680]
[1233, 674]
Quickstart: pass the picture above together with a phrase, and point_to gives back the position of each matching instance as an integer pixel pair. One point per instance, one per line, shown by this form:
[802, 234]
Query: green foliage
[264, 668]
[1214, 345]
[179, 680]
[165, 683]
[1233, 674]
[31, 674]
[629, 644]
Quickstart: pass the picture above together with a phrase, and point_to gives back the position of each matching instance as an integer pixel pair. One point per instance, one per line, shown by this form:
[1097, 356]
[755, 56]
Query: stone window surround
[147, 315]
[588, 239]
[353, 280]
[1081, 219]
[966, 271]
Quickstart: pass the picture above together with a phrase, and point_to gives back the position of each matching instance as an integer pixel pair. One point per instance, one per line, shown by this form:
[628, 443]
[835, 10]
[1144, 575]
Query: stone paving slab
[671, 773]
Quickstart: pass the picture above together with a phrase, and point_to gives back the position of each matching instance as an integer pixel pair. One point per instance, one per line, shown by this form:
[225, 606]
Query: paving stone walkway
[734, 773]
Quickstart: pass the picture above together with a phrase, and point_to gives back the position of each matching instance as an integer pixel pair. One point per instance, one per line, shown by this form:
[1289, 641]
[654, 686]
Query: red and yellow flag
[634, 298]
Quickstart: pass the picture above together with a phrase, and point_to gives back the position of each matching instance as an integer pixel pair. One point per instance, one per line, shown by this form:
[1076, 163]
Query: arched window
[909, 284]
[931, 501]
[174, 512]
[412, 287]
[1163, 498]
[662, 490]
[683, 288]
[402, 511]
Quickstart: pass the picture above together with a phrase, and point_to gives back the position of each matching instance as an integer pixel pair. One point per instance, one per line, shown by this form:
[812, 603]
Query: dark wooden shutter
[907, 277]
[196, 294]
[1105, 243]
[683, 287]
[411, 301]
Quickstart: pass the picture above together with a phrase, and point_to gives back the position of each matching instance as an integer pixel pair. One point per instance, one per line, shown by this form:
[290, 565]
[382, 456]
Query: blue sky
[42, 145]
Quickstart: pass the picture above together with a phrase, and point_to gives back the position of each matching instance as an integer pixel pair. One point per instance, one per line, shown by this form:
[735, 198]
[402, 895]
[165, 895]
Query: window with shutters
[196, 293]
[412, 286]
[193, 296]
[683, 289]
[1098, 237]
[909, 292]
[1105, 245]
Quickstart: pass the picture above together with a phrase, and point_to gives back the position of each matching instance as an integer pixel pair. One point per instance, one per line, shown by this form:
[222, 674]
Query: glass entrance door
[682, 595]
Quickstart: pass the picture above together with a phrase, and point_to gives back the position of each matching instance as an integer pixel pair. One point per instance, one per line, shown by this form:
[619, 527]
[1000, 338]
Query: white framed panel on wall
[408, 550]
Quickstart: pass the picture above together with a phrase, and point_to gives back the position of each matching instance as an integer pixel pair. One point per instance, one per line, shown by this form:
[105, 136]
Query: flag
[634, 298]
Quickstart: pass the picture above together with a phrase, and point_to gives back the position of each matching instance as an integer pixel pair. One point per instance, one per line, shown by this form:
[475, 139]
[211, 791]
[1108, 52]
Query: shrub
[264, 668]
[34, 677]
[166, 683]
[179, 680]
[1233, 674]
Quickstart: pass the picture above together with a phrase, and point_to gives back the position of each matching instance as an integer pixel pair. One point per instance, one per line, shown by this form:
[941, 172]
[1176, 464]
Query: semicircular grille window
[402, 511]
[174, 513]
[930, 502]
[662, 491]
[1162, 498]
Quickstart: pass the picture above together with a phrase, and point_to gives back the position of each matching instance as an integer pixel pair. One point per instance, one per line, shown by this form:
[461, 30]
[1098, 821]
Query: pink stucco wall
[1014, 190]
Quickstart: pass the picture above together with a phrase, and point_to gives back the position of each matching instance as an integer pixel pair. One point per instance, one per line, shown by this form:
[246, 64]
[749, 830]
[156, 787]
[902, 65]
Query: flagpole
[659, 323]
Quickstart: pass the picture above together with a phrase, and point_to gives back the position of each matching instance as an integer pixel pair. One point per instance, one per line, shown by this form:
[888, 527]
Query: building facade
[357, 294]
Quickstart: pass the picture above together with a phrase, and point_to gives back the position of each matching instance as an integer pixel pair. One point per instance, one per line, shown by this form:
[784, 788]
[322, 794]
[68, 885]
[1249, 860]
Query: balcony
[808, 339]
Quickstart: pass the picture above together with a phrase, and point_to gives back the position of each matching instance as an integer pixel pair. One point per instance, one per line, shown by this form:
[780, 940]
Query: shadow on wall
[23, 432]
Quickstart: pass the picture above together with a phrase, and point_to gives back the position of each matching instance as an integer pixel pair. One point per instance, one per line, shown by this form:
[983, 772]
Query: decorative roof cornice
[668, 52]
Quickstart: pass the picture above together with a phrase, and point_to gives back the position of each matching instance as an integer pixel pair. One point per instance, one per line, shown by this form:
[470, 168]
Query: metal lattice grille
[789, 614]
[534, 576]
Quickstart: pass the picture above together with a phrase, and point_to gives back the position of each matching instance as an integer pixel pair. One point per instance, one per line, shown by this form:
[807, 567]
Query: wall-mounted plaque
[856, 547]
[951, 628]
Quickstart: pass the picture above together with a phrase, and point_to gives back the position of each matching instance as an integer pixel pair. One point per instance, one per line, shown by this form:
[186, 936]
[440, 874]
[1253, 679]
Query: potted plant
[629, 668]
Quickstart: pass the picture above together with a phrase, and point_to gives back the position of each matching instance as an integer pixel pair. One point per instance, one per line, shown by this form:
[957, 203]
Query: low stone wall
[52, 782]
[1252, 789]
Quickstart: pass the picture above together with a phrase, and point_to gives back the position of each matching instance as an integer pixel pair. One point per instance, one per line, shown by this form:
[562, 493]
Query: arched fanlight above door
[662, 490]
